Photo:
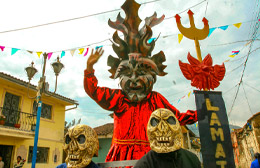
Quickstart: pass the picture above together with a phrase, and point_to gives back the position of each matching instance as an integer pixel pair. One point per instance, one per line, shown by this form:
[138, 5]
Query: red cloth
[130, 141]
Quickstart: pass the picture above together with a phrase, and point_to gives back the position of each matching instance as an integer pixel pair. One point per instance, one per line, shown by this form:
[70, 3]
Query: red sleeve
[189, 117]
[105, 97]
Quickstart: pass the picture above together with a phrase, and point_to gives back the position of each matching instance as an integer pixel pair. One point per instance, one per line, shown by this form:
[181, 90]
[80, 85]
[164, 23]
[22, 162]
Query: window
[42, 154]
[46, 110]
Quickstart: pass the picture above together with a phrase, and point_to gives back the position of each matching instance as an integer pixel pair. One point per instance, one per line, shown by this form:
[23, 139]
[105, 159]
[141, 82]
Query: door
[6, 153]
[10, 109]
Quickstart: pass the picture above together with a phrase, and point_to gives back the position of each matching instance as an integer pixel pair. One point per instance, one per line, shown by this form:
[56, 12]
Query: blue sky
[82, 32]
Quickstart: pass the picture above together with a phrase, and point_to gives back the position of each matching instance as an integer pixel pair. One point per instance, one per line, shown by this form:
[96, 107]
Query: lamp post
[57, 66]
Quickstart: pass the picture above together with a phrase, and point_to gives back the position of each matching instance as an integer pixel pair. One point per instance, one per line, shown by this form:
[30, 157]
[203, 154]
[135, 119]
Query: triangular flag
[237, 25]
[223, 27]
[86, 52]
[211, 30]
[179, 100]
[72, 52]
[98, 47]
[235, 52]
[14, 50]
[226, 60]
[49, 55]
[81, 50]
[62, 54]
[29, 51]
[189, 94]
[2, 48]
[180, 36]
[232, 56]
[39, 54]
[150, 40]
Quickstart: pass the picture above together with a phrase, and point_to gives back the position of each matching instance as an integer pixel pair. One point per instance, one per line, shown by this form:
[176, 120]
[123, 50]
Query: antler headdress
[135, 41]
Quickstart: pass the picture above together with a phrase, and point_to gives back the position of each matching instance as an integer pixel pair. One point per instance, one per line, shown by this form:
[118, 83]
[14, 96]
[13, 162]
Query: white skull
[164, 131]
[81, 143]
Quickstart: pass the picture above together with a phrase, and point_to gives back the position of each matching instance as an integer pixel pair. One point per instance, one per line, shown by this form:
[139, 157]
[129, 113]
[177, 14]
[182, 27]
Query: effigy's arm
[189, 117]
[105, 97]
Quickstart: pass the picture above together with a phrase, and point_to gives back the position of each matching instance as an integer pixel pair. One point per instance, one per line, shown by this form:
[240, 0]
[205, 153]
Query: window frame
[30, 155]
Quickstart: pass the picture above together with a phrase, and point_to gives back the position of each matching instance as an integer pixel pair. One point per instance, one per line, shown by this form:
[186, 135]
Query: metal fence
[19, 120]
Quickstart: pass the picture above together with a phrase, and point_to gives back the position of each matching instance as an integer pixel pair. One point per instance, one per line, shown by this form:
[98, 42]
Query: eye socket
[81, 139]
[154, 122]
[67, 139]
[171, 120]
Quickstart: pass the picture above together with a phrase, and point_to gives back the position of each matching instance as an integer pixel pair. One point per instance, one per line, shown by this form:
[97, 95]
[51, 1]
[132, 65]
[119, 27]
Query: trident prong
[193, 33]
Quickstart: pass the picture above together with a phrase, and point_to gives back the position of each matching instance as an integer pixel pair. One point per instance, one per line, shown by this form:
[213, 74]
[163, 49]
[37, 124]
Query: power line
[247, 100]
[245, 63]
[252, 87]
[72, 19]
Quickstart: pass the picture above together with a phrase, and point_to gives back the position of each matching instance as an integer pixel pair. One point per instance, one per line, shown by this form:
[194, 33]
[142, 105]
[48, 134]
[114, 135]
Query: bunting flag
[151, 39]
[180, 36]
[62, 54]
[97, 47]
[49, 55]
[211, 30]
[81, 50]
[14, 50]
[226, 60]
[189, 94]
[234, 54]
[237, 25]
[29, 51]
[2, 48]
[86, 52]
[39, 54]
[179, 100]
[72, 52]
[223, 27]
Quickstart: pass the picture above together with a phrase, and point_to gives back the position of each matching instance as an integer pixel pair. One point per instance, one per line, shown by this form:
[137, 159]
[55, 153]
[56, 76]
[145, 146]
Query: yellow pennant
[39, 54]
[180, 36]
[81, 50]
[189, 94]
[232, 56]
[237, 25]
[72, 52]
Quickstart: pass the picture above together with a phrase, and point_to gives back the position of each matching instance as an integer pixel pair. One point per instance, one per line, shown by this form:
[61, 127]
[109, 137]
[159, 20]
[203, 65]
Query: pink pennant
[86, 52]
[259, 20]
[235, 51]
[2, 48]
[49, 55]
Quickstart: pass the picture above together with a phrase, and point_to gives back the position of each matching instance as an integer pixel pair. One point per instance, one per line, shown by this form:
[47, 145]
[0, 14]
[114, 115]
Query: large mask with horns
[135, 67]
[164, 131]
[81, 143]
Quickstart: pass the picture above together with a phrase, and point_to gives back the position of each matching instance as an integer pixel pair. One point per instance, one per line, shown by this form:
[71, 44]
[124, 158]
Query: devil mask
[81, 143]
[135, 67]
[164, 131]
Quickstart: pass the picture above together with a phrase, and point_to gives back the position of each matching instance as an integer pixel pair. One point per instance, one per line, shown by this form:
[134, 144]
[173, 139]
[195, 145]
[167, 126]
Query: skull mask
[164, 131]
[81, 143]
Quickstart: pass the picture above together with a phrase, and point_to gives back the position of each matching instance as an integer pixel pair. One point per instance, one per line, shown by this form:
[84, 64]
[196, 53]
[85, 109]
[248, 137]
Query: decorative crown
[135, 41]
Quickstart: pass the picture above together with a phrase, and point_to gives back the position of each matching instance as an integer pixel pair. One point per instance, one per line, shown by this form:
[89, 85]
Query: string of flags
[188, 95]
[237, 25]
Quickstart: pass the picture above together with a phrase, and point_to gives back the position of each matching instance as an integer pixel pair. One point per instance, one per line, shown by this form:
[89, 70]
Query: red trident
[193, 33]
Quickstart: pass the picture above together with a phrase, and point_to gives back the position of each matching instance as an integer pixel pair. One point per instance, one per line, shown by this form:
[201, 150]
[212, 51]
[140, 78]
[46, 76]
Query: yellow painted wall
[51, 131]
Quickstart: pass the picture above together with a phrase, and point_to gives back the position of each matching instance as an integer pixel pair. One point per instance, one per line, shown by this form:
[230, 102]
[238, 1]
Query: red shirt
[130, 141]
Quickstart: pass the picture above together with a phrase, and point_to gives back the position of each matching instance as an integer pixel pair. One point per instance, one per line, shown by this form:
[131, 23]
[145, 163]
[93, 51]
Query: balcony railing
[19, 120]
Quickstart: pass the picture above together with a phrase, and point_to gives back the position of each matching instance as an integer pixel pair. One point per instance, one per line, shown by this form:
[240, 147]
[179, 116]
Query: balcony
[17, 123]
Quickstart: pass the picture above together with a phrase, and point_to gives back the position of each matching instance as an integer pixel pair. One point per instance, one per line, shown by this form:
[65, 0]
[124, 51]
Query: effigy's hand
[93, 58]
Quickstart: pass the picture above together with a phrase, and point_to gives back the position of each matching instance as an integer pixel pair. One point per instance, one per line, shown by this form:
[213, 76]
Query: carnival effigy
[81, 143]
[166, 142]
[137, 69]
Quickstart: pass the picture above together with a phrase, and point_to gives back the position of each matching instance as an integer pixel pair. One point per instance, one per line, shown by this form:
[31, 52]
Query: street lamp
[57, 66]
